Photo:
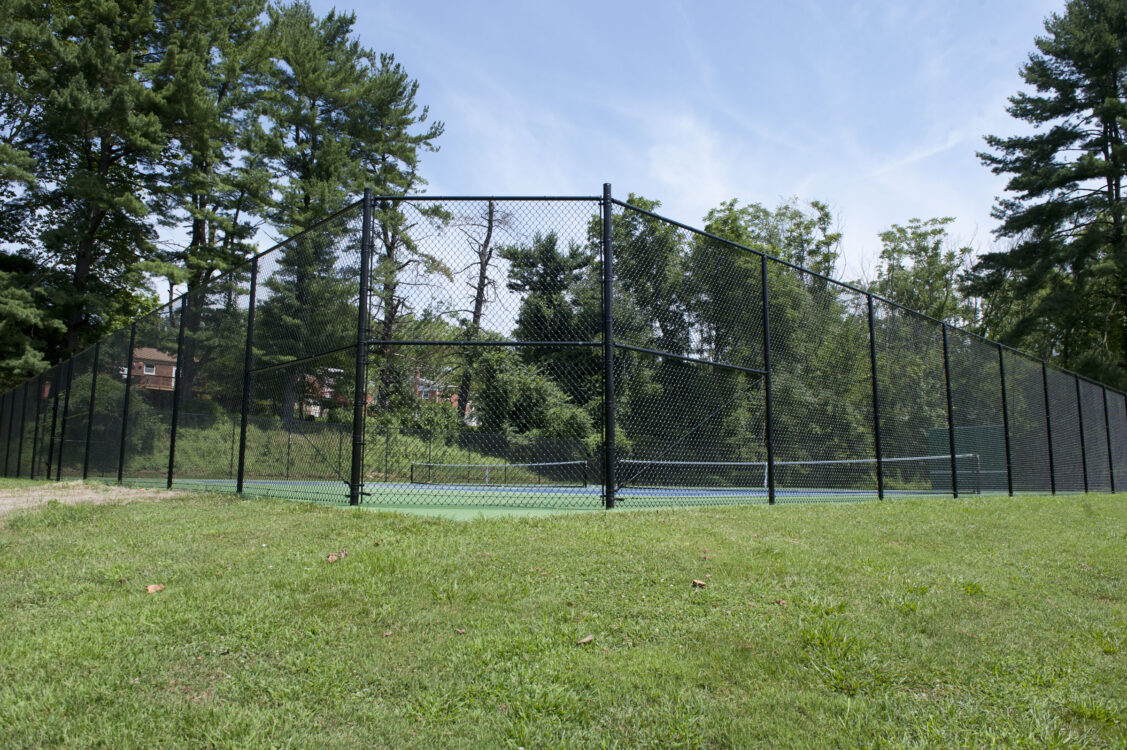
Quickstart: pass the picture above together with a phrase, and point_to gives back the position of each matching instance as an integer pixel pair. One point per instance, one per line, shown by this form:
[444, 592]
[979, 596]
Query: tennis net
[549, 473]
[902, 474]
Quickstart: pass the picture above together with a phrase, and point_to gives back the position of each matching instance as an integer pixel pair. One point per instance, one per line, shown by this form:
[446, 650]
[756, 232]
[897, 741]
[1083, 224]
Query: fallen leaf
[387, 634]
[706, 557]
[333, 557]
[460, 631]
[708, 575]
[152, 588]
[781, 602]
[699, 583]
[585, 639]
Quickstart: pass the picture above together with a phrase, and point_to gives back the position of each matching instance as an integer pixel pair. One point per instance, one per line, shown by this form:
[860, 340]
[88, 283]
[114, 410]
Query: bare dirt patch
[76, 492]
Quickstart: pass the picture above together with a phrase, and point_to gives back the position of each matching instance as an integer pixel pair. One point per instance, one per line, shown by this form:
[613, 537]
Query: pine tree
[1065, 210]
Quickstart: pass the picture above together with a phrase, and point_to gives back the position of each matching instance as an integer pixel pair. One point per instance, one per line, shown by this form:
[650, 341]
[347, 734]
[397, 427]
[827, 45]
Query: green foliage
[1065, 210]
[921, 271]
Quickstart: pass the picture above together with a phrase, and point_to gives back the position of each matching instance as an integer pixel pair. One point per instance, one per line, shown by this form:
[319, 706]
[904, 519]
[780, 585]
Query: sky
[875, 108]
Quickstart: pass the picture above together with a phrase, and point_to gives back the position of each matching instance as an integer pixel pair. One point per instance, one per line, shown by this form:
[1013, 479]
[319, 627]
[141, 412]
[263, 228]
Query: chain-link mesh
[152, 373]
[912, 397]
[1029, 432]
[976, 410]
[215, 330]
[109, 398]
[480, 354]
[1117, 429]
[1095, 437]
[299, 432]
[1064, 414]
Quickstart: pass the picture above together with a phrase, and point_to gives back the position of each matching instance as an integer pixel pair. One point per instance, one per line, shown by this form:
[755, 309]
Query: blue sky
[876, 108]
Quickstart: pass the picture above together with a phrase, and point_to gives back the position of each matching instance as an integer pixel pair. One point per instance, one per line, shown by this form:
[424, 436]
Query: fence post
[6, 426]
[1080, 421]
[356, 479]
[248, 365]
[35, 430]
[63, 426]
[609, 445]
[54, 418]
[23, 418]
[176, 384]
[125, 403]
[768, 424]
[876, 399]
[90, 411]
[1049, 426]
[1005, 421]
[950, 415]
[1107, 434]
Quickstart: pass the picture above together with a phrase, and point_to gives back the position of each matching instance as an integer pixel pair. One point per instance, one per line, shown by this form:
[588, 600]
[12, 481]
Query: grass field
[933, 622]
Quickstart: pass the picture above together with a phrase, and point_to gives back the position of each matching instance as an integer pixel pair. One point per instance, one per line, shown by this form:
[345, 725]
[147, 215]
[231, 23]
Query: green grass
[936, 623]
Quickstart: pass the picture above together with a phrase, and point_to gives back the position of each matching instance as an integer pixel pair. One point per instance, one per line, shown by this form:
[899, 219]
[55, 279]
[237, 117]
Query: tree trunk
[484, 256]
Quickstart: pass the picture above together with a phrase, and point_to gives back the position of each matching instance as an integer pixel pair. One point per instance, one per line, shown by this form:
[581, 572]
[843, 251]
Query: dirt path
[75, 492]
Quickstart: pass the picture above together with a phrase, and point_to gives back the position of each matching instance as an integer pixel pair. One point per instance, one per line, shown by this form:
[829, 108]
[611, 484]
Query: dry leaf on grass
[584, 640]
[781, 602]
[699, 583]
[152, 588]
[387, 634]
[460, 631]
[335, 556]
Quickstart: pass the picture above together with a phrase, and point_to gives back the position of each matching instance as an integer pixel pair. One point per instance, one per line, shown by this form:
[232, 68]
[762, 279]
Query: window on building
[149, 369]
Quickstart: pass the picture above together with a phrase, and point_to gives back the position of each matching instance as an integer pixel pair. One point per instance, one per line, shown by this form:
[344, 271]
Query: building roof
[149, 354]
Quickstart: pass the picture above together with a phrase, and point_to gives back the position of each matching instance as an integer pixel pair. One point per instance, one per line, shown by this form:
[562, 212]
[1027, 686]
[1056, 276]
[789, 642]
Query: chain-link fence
[553, 352]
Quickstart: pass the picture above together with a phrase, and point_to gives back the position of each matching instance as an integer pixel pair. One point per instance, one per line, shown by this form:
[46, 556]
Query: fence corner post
[609, 453]
[125, 403]
[248, 364]
[176, 388]
[360, 402]
[1048, 426]
[90, 410]
[1080, 422]
[950, 415]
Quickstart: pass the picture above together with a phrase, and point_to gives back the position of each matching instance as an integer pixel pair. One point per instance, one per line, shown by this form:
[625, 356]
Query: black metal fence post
[176, 388]
[125, 403]
[1049, 426]
[1080, 421]
[359, 406]
[1006, 421]
[609, 453]
[90, 411]
[54, 418]
[248, 365]
[66, 414]
[950, 415]
[768, 424]
[876, 399]
[6, 426]
[1107, 434]
[35, 430]
[23, 418]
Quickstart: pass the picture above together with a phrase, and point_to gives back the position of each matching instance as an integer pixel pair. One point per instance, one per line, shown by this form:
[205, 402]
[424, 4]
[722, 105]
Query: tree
[1065, 209]
[920, 269]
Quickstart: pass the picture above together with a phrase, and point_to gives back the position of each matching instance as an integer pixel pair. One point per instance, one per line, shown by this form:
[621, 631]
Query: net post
[35, 429]
[1107, 434]
[359, 405]
[768, 430]
[1080, 421]
[1005, 421]
[90, 410]
[66, 413]
[950, 415]
[125, 403]
[248, 365]
[1048, 426]
[608, 352]
[876, 399]
[176, 385]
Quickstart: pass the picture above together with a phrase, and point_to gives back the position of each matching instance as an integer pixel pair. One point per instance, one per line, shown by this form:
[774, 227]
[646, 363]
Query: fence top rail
[468, 198]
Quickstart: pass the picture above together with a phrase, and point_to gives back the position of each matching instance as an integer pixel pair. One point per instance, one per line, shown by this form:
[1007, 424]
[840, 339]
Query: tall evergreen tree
[1065, 211]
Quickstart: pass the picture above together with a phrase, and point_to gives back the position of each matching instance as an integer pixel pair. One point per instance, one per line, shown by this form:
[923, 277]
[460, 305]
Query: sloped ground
[16, 495]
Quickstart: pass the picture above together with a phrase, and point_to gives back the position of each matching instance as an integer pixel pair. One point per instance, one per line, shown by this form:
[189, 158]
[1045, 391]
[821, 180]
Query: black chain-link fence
[553, 352]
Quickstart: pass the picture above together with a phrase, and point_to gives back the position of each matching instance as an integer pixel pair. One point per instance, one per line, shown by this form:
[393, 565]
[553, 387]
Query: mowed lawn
[936, 623]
